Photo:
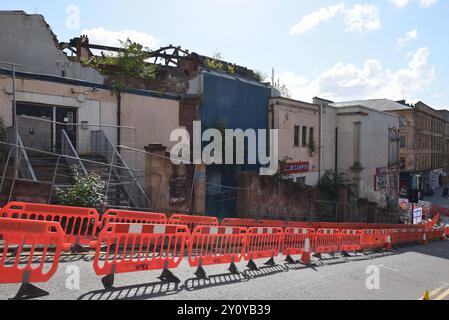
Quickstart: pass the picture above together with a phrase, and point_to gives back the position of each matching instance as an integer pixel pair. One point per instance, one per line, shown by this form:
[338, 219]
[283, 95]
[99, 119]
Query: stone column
[158, 171]
[200, 190]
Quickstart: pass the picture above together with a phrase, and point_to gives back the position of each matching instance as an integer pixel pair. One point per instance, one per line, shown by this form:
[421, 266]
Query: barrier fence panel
[271, 223]
[299, 224]
[350, 240]
[139, 247]
[123, 216]
[327, 241]
[298, 241]
[192, 221]
[245, 223]
[263, 243]
[373, 239]
[78, 224]
[216, 245]
[31, 252]
[329, 225]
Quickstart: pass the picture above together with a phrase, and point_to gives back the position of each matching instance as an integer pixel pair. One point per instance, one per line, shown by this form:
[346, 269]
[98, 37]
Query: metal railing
[102, 146]
[56, 173]
[68, 149]
[25, 169]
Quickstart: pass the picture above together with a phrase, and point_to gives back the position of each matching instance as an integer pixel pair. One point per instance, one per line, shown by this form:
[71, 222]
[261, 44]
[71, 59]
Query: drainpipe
[336, 150]
[320, 149]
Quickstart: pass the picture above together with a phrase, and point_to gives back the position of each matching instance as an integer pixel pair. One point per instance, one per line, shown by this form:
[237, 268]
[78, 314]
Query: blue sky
[340, 50]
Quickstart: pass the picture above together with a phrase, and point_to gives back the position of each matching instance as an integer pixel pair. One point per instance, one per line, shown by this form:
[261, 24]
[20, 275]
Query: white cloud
[362, 18]
[411, 35]
[428, 3]
[423, 3]
[371, 80]
[358, 18]
[400, 3]
[313, 19]
[112, 38]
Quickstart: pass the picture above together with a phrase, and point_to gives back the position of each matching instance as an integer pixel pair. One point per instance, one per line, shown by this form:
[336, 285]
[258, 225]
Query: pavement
[405, 274]
[437, 199]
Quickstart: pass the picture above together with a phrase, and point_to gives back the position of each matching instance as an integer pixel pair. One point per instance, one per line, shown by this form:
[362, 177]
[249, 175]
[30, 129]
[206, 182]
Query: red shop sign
[298, 167]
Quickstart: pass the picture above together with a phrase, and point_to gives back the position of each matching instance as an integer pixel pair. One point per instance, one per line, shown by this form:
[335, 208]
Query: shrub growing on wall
[87, 192]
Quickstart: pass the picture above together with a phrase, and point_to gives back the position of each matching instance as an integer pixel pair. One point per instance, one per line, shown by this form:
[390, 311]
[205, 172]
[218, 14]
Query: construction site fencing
[124, 248]
[137, 241]
[78, 224]
[30, 253]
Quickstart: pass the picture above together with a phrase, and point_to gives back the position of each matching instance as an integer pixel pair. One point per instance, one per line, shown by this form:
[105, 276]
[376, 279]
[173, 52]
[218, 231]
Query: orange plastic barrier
[434, 221]
[330, 225]
[139, 247]
[404, 235]
[351, 240]
[30, 261]
[299, 224]
[192, 221]
[327, 240]
[245, 223]
[272, 223]
[440, 210]
[374, 238]
[298, 241]
[263, 243]
[123, 216]
[216, 245]
[78, 224]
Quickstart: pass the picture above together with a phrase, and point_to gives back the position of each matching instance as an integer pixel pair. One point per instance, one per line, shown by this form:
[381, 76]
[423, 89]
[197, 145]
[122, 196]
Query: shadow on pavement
[438, 249]
[134, 292]
[214, 281]
[300, 266]
[265, 271]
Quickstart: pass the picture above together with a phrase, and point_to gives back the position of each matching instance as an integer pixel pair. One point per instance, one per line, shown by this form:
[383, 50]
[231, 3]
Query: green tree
[330, 184]
[130, 62]
[85, 191]
[283, 90]
[259, 76]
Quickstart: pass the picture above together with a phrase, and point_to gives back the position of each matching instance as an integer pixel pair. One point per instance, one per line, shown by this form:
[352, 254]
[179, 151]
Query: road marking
[443, 295]
[388, 268]
[436, 291]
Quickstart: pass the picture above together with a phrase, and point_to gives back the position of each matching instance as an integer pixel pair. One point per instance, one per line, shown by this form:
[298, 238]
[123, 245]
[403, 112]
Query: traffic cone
[305, 257]
[388, 246]
[424, 239]
[426, 296]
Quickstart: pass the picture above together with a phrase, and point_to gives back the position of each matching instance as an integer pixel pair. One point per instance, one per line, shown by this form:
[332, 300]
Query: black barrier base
[233, 269]
[168, 276]
[290, 260]
[318, 256]
[108, 281]
[346, 254]
[14, 251]
[79, 249]
[270, 262]
[29, 291]
[201, 273]
[252, 266]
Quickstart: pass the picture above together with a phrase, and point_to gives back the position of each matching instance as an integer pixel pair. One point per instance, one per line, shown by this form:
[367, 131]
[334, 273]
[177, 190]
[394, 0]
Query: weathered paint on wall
[27, 40]
[236, 104]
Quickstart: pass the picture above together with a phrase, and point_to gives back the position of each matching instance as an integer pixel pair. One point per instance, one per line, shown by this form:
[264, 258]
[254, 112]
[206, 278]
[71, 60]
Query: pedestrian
[446, 192]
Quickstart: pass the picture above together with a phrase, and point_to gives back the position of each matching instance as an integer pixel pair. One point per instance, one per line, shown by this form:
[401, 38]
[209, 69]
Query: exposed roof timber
[169, 55]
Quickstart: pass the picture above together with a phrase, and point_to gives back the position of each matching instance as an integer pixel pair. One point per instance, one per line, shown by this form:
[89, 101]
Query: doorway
[43, 130]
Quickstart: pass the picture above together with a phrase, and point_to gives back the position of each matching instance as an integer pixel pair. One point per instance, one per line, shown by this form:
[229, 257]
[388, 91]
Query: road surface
[403, 275]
